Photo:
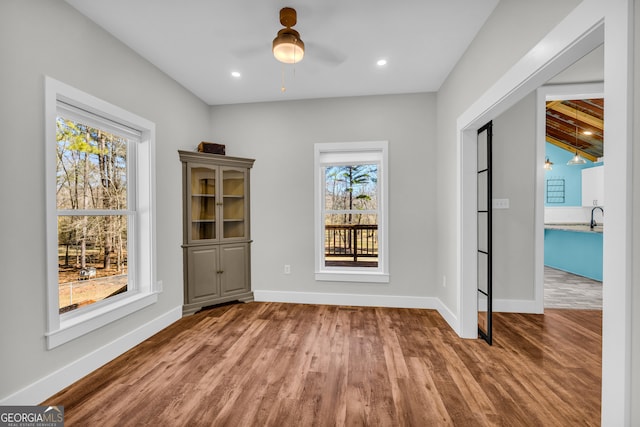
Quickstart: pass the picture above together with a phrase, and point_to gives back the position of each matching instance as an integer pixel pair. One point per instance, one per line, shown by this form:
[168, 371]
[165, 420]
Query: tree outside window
[91, 200]
[351, 220]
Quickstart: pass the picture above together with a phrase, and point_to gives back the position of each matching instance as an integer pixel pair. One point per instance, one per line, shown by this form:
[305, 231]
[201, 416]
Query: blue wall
[574, 251]
[572, 175]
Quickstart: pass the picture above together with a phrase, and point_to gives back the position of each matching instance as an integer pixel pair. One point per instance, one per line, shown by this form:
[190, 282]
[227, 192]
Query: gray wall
[514, 161]
[281, 135]
[48, 37]
[513, 28]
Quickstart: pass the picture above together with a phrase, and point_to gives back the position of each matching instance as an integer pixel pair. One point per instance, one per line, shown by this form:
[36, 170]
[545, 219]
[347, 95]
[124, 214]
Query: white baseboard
[517, 306]
[449, 316]
[366, 300]
[46, 387]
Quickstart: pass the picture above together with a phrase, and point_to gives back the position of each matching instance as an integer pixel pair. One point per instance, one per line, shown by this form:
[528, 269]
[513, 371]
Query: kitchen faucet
[593, 222]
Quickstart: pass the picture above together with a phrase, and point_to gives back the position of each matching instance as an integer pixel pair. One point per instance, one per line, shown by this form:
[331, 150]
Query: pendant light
[577, 159]
[288, 47]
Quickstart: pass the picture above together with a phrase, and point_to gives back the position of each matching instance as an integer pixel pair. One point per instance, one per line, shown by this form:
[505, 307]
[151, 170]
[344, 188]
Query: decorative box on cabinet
[216, 231]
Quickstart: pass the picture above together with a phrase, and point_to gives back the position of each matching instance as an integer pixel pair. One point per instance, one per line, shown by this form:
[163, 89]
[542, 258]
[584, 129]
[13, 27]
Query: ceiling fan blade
[324, 54]
[250, 51]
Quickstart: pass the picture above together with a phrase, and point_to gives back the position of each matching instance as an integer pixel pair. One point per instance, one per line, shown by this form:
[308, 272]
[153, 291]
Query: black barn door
[484, 232]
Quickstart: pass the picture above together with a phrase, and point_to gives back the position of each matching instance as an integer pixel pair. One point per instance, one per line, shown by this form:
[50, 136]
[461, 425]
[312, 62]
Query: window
[99, 179]
[351, 211]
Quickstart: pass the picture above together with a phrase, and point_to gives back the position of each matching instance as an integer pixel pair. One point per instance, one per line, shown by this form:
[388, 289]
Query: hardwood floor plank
[272, 364]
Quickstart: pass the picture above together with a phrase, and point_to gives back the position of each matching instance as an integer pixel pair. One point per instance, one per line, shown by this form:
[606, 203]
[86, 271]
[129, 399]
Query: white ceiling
[200, 42]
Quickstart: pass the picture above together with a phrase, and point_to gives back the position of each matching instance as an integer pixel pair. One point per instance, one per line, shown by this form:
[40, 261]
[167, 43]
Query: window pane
[91, 171]
[85, 274]
[483, 191]
[483, 231]
[351, 240]
[351, 187]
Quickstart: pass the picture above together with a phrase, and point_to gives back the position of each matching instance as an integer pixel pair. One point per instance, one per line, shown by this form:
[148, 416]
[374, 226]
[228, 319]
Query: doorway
[572, 250]
[581, 32]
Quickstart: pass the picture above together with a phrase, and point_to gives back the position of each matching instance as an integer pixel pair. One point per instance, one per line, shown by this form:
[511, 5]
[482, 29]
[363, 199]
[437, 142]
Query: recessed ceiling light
[235, 74]
[381, 62]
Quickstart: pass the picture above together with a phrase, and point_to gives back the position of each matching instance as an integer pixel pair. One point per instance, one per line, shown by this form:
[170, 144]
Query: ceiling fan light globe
[288, 48]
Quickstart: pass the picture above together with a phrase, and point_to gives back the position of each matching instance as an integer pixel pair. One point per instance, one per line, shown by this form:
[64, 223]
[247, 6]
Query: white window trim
[356, 151]
[62, 329]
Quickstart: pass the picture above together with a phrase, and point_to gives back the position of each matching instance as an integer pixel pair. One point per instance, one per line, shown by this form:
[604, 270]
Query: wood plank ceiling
[569, 123]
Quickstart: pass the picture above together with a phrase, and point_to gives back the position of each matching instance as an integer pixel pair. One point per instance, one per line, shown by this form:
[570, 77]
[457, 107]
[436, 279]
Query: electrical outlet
[287, 269]
[500, 204]
[444, 281]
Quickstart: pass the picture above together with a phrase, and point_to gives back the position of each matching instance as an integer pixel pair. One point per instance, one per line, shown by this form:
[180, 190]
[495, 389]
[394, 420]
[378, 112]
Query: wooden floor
[271, 364]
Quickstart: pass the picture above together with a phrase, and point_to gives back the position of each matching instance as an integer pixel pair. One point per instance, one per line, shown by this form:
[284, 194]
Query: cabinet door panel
[203, 273]
[593, 186]
[234, 262]
[234, 190]
[203, 192]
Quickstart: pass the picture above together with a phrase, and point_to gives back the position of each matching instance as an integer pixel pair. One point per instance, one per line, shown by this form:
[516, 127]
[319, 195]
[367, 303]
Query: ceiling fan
[289, 46]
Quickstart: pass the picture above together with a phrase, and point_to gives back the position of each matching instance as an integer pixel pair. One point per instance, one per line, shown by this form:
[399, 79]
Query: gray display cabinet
[216, 231]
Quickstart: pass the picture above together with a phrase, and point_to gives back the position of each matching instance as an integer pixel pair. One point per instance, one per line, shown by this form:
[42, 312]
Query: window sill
[77, 326]
[351, 276]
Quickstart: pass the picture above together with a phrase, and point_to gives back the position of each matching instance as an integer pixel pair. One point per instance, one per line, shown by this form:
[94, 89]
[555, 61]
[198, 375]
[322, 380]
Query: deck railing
[352, 240]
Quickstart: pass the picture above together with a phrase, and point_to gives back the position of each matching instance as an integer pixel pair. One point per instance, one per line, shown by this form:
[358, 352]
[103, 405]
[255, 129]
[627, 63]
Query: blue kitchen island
[574, 248]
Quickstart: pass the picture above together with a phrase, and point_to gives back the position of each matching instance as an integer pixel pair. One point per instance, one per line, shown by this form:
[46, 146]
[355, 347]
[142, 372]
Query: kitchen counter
[579, 227]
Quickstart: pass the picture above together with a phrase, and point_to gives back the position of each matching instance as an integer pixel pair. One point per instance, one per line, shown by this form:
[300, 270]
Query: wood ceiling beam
[571, 112]
[571, 149]
[551, 104]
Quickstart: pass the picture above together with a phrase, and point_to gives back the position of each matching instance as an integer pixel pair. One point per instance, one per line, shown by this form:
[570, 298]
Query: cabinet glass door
[203, 203]
[233, 212]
